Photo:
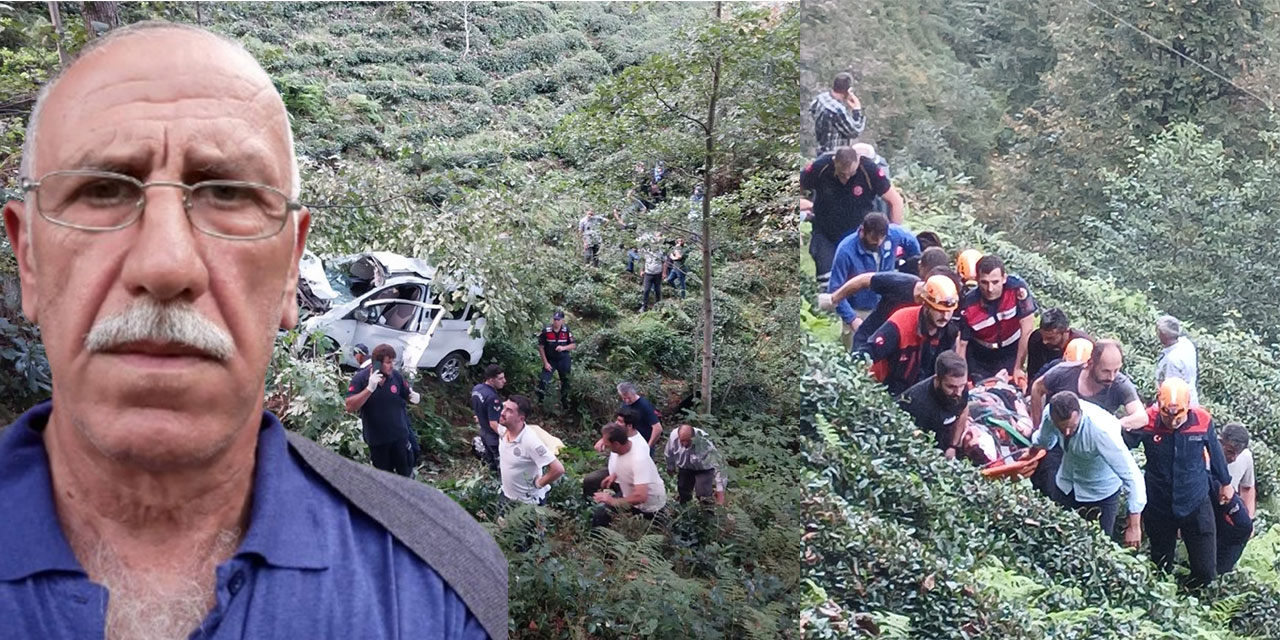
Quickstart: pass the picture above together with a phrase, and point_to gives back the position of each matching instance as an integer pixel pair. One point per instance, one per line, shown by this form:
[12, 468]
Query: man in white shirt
[522, 455]
[1178, 359]
[643, 491]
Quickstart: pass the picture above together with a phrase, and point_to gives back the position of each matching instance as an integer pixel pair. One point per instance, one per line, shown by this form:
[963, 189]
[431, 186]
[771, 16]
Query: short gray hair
[626, 389]
[28, 162]
[1237, 435]
[1169, 326]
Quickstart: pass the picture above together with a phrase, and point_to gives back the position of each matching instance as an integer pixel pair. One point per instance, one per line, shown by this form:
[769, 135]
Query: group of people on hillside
[660, 262]
[939, 332]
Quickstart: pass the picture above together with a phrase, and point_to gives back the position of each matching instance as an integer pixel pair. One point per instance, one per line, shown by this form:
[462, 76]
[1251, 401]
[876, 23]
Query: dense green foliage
[463, 134]
[1121, 182]
[1079, 133]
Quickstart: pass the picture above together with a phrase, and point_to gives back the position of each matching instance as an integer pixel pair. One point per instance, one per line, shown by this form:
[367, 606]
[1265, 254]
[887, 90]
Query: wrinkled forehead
[138, 100]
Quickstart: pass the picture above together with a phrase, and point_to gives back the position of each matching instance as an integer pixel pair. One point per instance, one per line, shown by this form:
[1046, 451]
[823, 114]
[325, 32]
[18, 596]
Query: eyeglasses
[106, 201]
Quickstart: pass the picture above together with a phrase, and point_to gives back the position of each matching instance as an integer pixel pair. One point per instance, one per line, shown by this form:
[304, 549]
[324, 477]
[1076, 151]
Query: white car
[397, 301]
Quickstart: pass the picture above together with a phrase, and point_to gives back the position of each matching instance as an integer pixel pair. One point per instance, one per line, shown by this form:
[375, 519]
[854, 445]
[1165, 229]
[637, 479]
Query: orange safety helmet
[940, 293]
[967, 264]
[1078, 350]
[1174, 401]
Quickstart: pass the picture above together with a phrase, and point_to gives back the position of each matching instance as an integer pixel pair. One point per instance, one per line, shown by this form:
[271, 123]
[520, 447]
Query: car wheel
[450, 369]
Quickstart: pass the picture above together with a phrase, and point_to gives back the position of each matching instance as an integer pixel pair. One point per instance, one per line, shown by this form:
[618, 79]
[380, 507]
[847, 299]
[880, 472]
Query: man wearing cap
[158, 243]
[904, 348]
[554, 344]
[1178, 439]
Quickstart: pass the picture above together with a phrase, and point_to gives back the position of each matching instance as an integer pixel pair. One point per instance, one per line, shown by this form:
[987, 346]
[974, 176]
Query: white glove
[375, 379]
[825, 303]
[414, 397]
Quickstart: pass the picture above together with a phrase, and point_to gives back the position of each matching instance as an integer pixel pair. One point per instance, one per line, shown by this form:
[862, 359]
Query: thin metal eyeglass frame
[290, 205]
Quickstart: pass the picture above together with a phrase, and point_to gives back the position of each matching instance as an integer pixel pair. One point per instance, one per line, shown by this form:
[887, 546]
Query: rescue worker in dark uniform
[904, 348]
[844, 189]
[1179, 440]
[554, 344]
[939, 404]
[379, 393]
[996, 321]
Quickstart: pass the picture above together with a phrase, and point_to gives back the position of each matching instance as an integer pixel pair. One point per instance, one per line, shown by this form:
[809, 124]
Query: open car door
[376, 324]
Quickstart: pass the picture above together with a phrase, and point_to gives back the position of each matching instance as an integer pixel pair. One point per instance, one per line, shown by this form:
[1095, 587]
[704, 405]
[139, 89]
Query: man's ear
[289, 297]
[19, 232]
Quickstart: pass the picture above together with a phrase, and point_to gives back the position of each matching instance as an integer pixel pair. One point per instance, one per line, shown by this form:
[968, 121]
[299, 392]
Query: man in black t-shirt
[379, 393]
[939, 404]
[844, 188]
[647, 423]
[1049, 341]
[487, 407]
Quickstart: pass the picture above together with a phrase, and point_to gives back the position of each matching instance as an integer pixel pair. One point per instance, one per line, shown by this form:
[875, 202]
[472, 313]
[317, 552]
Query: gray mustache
[147, 320]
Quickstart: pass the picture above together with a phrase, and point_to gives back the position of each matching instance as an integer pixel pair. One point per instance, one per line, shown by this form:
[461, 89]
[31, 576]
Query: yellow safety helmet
[967, 264]
[940, 293]
[1078, 350]
[1174, 401]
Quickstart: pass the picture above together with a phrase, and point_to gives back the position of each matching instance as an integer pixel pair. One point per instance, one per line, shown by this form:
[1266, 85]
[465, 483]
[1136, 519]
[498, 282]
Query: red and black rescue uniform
[902, 353]
[993, 327]
[1180, 496]
[549, 339]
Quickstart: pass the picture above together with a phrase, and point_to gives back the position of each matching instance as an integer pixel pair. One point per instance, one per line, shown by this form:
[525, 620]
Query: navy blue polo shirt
[487, 406]
[384, 414]
[646, 417]
[310, 564]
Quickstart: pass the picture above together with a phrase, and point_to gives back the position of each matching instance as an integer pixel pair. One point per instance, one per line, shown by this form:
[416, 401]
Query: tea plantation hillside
[462, 133]
[901, 539]
[1121, 182]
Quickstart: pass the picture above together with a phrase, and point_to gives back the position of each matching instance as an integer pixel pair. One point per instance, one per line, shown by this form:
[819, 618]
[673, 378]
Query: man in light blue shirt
[1095, 463]
[1178, 359]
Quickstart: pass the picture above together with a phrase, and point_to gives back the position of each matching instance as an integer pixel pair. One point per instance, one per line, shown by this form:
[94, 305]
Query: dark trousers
[1229, 555]
[591, 255]
[591, 483]
[652, 282]
[823, 251]
[393, 456]
[700, 483]
[1102, 511]
[1199, 533]
[561, 366]
[1045, 477]
[604, 514]
[490, 456]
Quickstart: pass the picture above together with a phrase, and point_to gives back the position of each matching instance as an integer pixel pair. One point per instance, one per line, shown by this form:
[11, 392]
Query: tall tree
[726, 101]
[103, 13]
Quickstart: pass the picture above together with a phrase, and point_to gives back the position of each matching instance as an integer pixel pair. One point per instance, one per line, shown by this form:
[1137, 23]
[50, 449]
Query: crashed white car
[381, 297]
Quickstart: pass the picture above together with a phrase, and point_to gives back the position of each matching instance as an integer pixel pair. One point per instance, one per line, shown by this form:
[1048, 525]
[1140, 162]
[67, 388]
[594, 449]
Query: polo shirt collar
[283, 518]
[32, 537]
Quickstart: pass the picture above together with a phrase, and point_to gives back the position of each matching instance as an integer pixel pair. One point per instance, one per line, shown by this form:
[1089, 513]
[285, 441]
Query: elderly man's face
[172, 106]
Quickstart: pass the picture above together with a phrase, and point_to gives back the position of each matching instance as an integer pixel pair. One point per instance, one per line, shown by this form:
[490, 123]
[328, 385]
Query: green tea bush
[648, 341]
[519, 20]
